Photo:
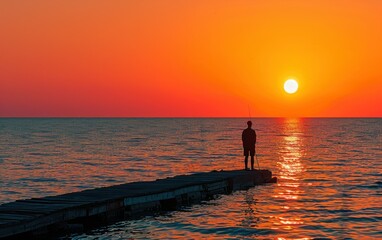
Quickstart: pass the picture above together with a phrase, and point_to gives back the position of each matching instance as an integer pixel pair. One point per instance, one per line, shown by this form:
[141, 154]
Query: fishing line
[257, 160]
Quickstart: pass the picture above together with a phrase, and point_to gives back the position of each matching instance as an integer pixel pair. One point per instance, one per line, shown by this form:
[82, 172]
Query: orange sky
[174, 58]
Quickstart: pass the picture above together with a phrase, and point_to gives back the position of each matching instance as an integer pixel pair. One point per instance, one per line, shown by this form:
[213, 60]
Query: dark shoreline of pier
[57, 215]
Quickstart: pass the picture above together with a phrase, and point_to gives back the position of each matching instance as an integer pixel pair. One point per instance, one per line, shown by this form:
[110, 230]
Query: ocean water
[329, 172]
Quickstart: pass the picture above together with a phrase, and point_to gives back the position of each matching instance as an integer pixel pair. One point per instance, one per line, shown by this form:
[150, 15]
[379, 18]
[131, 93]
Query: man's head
[249, 123]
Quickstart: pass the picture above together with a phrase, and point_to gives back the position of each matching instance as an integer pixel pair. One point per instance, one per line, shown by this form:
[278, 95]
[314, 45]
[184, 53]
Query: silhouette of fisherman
[249, 141]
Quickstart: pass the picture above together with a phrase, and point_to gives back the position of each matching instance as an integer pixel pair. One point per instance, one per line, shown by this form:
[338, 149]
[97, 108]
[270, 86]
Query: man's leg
[252, 162]
[246, 162]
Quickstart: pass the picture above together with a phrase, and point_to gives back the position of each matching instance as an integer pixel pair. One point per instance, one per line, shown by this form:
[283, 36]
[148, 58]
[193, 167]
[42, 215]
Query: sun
[290, 86]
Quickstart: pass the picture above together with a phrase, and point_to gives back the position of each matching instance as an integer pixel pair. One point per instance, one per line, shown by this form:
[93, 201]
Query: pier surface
[47, 215]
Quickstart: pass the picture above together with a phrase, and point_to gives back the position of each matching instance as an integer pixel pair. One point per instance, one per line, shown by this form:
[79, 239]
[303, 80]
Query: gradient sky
[186, 58]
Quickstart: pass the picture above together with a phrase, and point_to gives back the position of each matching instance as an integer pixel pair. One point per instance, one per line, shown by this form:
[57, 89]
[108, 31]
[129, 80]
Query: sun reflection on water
[290, 171]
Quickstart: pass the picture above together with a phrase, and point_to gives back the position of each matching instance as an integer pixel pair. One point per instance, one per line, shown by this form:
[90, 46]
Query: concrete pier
[41, 217]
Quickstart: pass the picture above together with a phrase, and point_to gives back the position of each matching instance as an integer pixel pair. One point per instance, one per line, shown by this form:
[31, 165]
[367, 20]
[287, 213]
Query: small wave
[101, 177]
[137, 159]
[316, 180]
[39, 179]
[43, 154]
[355, 150]
[84, 186]
[7, 192]
[111, 180]
[168, 158]
[340, 211]
[373, 186]
[135, 140]
[135, 170]
[223, 139]
[231, 231]
[231, 155]
[91, 164]
[338, 163]
[351, 219]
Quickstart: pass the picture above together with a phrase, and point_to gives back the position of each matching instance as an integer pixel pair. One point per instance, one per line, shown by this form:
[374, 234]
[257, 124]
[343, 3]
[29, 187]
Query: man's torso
[249, 138]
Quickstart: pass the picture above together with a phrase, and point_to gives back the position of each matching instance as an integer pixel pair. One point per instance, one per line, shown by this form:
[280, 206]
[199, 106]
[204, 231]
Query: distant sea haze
[329, 171]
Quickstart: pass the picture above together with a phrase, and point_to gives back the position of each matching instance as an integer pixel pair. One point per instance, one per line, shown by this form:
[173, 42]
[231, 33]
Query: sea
[329, 172]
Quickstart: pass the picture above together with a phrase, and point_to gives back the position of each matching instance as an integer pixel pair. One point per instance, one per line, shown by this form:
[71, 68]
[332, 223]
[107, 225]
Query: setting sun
[291, 86]
[164, 58]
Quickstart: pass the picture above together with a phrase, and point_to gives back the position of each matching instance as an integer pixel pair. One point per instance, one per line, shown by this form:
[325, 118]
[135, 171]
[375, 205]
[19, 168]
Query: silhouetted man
[249, 142]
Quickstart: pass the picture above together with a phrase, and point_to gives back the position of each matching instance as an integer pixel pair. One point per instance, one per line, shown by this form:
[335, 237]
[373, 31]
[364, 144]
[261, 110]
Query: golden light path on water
[290, 172]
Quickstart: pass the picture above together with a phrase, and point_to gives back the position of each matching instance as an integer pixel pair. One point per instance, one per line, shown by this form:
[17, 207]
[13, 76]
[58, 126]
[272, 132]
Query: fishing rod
[257, 160]
[249, 112]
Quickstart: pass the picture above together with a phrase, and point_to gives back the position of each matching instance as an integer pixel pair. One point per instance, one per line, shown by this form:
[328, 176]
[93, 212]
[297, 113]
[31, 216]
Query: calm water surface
[329, 171]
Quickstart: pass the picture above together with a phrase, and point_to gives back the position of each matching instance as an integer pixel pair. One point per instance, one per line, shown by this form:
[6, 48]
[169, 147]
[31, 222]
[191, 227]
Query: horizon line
[172, 117]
